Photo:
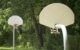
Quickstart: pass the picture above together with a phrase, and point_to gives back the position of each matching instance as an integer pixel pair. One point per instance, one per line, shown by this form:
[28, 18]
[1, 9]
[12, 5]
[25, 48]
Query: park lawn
[10, 48]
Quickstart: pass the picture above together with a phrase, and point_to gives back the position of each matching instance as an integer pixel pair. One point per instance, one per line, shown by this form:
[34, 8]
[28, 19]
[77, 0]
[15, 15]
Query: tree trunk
[38, 28]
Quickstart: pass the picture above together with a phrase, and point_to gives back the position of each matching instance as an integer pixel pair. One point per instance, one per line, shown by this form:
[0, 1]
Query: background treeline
[31, 33]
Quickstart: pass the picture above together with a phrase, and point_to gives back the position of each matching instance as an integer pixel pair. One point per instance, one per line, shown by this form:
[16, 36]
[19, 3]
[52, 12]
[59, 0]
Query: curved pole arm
[64, 32]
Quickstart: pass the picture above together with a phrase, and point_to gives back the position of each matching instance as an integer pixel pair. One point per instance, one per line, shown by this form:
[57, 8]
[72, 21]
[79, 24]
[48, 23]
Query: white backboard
[15, 20]
[56, 13]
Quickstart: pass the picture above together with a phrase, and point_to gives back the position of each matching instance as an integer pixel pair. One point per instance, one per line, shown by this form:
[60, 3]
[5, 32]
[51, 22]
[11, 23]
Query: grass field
[5, 48]
[10, 48]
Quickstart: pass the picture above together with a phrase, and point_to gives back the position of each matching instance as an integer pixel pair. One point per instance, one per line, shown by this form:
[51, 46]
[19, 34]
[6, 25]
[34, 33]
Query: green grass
[18, 47]
[10, 48]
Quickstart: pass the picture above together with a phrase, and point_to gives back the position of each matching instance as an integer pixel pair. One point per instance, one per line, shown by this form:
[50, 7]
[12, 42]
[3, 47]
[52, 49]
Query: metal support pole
[14, 37]
[64, 31]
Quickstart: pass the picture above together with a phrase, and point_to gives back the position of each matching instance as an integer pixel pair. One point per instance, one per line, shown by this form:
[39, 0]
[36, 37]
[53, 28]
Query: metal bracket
[55, 31]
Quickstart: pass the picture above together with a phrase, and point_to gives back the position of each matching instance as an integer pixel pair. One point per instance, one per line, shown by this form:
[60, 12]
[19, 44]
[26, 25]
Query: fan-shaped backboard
[56, 13]
[15, 20]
